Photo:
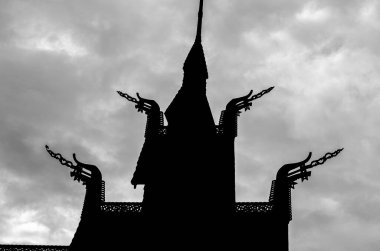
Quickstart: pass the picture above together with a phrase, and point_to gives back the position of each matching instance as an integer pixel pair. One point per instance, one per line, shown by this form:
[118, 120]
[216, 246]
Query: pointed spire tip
[199, 27]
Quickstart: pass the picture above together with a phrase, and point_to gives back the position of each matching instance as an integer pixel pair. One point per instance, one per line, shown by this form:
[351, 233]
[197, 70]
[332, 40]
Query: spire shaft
[199, 27]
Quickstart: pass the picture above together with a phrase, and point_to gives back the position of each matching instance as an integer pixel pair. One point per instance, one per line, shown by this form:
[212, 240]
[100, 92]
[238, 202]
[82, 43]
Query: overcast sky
[61, 62]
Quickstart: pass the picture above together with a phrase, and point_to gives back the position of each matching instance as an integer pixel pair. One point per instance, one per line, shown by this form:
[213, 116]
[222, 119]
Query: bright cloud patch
[41, 36]
[57, 43]
[23, 226]
[369, 14]
[312, 13]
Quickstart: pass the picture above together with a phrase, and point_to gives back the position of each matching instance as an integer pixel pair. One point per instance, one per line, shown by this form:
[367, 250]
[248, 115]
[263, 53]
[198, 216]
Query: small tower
[191, 163]
[191, 134]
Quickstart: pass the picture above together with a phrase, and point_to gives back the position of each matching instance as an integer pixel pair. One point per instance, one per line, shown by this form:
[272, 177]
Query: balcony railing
[32, 248]
[135, 207]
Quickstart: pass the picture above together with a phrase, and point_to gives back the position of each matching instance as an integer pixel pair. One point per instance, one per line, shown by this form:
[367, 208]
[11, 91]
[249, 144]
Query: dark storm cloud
[62, 62]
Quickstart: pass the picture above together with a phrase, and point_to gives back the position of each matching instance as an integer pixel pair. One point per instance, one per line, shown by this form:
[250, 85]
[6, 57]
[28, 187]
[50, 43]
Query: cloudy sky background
[61, 63]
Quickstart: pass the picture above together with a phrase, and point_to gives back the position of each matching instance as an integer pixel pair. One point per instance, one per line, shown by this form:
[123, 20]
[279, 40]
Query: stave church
[187, 169]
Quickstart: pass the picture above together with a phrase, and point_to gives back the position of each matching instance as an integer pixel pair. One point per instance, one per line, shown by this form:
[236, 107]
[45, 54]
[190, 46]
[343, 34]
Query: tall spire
[199, 27]
[195, 63]
[189, 110]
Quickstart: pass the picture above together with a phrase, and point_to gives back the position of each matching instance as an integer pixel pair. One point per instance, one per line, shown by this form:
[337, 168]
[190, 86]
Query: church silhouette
[187, 168]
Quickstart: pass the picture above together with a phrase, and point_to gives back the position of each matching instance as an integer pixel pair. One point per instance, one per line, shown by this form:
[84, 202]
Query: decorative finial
[199, 27]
